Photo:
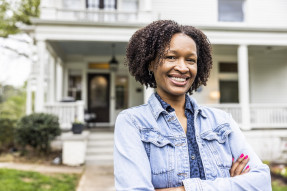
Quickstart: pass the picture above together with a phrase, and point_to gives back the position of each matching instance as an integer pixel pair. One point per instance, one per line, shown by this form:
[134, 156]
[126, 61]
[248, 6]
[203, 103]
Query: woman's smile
[178, 80]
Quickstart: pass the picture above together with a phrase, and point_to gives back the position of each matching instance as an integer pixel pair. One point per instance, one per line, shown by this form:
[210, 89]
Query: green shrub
[7, 127]
[37, 131]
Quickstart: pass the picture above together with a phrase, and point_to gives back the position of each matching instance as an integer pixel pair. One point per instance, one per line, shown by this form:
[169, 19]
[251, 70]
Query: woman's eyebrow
[175, 52]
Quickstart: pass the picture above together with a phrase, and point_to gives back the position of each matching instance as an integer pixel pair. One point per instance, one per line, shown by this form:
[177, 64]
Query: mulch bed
[30, 157]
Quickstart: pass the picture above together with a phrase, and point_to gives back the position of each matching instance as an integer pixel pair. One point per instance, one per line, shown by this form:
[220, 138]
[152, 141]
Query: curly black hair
[149, 43]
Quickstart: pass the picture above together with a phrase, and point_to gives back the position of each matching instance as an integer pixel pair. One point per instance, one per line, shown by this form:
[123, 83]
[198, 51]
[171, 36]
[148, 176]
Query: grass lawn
[16, 180]
[278, 186]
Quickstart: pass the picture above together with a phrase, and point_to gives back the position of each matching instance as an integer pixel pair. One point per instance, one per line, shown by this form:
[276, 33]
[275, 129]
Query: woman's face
[178, 68]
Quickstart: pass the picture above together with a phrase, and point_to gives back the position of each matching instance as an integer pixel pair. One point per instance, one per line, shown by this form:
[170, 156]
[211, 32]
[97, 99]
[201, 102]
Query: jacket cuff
[192, 184]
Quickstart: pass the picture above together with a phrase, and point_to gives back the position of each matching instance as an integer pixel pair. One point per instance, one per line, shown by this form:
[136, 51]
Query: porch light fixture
[113, 62]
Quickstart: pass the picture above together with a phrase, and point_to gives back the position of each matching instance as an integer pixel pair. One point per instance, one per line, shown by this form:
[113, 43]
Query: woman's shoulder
[213, 111]
[135, 109]
[140, 116]
[137, 112]
[215, 114]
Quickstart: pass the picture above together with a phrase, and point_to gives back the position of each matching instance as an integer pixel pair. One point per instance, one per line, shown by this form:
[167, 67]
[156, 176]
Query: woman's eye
[170, 57]
[191, 60]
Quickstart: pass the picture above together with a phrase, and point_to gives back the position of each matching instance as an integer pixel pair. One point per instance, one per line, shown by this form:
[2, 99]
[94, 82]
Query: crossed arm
[238, 168]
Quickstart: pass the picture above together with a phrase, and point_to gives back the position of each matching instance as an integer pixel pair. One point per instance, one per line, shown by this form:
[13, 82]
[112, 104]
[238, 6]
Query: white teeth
[178, 79]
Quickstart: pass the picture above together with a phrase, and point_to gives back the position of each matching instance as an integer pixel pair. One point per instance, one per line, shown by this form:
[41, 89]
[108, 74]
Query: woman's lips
[178, 81]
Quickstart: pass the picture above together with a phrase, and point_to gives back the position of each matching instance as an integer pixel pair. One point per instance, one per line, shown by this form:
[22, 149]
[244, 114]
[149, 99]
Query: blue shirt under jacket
[151, 151]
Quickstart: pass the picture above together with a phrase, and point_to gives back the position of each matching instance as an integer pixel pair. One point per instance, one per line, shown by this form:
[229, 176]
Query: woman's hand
[171, 189]
[238, 166]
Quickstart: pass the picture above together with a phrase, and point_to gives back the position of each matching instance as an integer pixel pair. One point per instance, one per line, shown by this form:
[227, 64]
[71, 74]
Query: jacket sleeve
[258, 178]
[131, 164]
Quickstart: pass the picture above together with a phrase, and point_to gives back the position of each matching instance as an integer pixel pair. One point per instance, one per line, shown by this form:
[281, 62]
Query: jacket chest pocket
[219, 149]
[161, 152]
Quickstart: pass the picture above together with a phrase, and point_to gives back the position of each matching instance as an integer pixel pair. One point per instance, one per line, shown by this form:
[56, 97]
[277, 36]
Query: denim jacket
[151, 151]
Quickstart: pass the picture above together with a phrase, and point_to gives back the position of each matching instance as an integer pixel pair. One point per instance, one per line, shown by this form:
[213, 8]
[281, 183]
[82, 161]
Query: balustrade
[261, 115]
[102, 16]
[67, 112]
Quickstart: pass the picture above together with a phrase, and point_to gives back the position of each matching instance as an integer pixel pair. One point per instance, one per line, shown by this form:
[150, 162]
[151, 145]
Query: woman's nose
[181, 66]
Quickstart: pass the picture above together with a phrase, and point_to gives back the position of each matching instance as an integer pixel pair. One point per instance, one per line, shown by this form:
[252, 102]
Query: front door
[99, 97]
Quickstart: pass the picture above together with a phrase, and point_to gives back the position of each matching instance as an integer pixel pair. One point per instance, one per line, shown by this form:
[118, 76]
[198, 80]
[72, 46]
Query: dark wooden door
[99, 97]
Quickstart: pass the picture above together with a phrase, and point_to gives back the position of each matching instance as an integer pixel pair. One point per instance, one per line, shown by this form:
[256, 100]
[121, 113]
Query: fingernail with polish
[246, 157]
[232, 159]
[247, 167]
[242, 155]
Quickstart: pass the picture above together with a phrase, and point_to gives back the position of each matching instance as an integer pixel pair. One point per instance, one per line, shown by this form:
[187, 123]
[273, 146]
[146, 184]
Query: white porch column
[51, 81]
[66, 80]
[59, 80]
[112, 98]
[244, 84]
[84, 86]
[28, 98]
[147, 93]
[42, 56]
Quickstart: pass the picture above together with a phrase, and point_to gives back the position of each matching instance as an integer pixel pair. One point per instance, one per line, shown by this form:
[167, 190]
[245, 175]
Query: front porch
[242, 81]
[262, 116]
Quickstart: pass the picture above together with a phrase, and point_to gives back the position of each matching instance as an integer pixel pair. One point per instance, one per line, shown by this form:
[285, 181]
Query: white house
[77, 39]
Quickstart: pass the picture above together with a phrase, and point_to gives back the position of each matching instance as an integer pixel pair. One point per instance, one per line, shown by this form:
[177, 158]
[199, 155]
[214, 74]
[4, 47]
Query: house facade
[80, 72]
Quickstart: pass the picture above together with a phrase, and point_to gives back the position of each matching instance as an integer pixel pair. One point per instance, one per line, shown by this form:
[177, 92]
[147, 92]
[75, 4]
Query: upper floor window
[230, 10]
[101, 4]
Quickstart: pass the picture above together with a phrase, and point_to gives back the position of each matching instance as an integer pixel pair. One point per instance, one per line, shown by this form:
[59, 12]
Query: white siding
[187, 11]
[268, 81]
[267, 13]
[257, 12]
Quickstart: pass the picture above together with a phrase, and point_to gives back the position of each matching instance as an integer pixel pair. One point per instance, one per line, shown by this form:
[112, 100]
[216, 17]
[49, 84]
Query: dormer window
[230, 10]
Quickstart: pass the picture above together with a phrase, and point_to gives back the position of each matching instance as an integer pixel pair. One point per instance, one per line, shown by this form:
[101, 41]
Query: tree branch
[15, 51]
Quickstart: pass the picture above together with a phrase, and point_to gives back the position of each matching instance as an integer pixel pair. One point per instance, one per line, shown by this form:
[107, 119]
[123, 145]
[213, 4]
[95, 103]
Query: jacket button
[192, 157]
[171, 119]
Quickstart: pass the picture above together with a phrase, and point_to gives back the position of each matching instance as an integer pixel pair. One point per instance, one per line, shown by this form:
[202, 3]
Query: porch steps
[100, 148]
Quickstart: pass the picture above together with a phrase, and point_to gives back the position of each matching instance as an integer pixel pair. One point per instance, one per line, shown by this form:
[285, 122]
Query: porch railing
[233, 109]
[268, 115]
[102, 16]
[261, 115]
[67, 112]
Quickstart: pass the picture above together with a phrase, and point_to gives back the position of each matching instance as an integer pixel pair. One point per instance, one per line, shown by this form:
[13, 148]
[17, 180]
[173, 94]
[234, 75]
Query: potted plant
[77, 127]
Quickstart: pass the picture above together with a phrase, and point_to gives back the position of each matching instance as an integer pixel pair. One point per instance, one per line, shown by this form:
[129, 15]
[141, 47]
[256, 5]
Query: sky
[15, 69]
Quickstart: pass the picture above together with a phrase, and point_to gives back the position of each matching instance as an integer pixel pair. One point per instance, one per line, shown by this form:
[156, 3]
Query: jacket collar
[156, 108]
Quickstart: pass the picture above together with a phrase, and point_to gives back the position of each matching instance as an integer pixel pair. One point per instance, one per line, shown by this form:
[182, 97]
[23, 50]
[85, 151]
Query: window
[101, 4]
[228, 67]
[122, 92]
[230, 10]
[228, 82]
[75, 85]
[228, 91]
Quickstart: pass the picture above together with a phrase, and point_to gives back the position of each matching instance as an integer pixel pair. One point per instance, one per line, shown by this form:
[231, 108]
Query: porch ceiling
[252, 50]
[87, 48]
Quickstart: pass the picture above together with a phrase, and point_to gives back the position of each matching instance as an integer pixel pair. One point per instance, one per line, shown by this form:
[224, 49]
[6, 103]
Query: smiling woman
[172, 143]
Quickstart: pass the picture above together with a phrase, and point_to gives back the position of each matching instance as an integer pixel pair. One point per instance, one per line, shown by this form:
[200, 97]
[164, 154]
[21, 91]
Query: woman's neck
[176, 102]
